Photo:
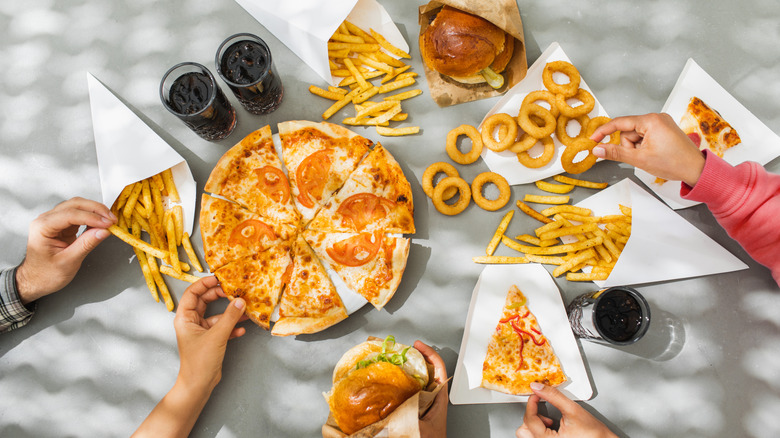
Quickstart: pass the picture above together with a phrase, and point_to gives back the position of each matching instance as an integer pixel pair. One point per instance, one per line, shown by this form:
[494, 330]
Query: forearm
[176, 413]
[13, 311]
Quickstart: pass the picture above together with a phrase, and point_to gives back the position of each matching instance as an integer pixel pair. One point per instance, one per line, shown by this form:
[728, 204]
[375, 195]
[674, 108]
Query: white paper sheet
[544, 301]
[306, 25]
[505, 163]
[663, 245]
[758, 144]
[128, 150]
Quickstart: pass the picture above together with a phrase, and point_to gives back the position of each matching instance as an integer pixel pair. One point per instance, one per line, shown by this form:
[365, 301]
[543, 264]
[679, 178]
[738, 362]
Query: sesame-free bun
[460, 45]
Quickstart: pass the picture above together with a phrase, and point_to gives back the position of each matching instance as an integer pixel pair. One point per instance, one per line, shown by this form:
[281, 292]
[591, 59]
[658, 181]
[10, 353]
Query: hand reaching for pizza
[55, 251]
[654, 143]
[434, 423]
[575, 420]
[202, 342]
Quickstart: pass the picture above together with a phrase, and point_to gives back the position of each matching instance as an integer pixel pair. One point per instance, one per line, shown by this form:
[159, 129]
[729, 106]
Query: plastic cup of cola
[244, 62]
[189, 91]
[615, 316]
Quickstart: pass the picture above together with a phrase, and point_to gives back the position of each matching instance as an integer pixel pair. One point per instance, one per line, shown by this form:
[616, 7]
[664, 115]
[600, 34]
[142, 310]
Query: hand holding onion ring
[579, 145]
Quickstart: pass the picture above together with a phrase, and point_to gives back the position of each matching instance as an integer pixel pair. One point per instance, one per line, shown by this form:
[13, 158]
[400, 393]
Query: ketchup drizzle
[513, 321]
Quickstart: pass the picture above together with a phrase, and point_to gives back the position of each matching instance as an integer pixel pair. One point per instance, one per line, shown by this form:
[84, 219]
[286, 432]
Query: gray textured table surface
[99, 355]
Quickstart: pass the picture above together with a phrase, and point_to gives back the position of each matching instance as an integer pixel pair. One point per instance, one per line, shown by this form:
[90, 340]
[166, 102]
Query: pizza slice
[376, 197]
[371, 264]
[251, 174]
[319, 157]
[310, 302]
[231, 232]
[518, 353]
[259, 280]
[707, 129]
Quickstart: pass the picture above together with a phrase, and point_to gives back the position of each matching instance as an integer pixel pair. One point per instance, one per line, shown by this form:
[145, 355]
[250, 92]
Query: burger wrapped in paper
[372, 379]
[467, 48]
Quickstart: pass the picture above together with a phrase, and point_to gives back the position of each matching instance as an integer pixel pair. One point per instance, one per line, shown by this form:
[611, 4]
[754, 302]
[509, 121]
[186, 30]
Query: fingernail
[536, 386]
[599, 151]
[101, 234]
[112, 216]
[239, 302]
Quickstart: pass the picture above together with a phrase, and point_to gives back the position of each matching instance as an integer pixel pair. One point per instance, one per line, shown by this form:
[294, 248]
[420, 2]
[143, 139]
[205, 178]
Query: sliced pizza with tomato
[376, 197]
[259, 280]
[251, 174]
[518, 352]
[310, 302]
[707, 129]
[231, 232]
[370, 264]
[319, 157]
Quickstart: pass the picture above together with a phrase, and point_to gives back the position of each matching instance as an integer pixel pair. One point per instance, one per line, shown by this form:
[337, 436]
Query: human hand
[202, 341]
[576, 422]
[654, 143]
[434, 423]
[54, 251]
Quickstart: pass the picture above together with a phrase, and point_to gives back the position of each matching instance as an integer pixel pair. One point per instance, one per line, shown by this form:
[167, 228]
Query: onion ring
[431, 172]
[583, 95]
[526, 142]
[544, 95]
[504, 120]
[563, 136]
[566, 68]
[476, 144]
[464, 190]
[579, 145]
[529, 126]
[504, 191]
[595, 123]
[536, 162]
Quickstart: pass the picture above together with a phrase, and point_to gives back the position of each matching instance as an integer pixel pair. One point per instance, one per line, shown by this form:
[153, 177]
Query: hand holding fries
[141, 207]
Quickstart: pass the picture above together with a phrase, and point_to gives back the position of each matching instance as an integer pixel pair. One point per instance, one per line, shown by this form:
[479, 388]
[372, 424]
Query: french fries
[141, 208]
[359, 56]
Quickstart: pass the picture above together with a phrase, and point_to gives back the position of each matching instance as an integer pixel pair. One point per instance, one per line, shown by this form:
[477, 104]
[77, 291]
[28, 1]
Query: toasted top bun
[460, 45]
[363, 396]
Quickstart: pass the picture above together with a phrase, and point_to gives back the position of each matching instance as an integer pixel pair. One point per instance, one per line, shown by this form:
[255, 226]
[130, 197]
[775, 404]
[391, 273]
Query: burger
[466, 48]
[372, 379]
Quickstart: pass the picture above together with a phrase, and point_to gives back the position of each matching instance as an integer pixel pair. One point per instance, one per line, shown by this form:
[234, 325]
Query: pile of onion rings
[453, 185]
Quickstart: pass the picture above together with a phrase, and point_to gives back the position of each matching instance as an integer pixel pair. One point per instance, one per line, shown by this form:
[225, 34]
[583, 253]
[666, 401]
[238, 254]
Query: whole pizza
[275, 230]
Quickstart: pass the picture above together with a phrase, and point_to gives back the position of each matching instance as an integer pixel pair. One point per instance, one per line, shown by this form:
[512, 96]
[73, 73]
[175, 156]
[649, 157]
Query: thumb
[85, 243]
[554, 397]
[615, 152]
[230, 317]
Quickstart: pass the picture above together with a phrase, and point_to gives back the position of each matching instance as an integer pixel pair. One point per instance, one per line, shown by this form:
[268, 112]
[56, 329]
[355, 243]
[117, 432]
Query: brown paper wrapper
[504, 14]
[403, 422]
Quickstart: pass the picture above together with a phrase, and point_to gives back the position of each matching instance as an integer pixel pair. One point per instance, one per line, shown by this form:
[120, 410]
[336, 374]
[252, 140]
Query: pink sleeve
[745, 199]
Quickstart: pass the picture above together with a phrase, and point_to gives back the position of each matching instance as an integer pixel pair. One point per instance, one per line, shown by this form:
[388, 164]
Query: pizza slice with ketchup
[310, 302]
[251, 174]
[707, 129]
[518, 352]
[370, 264]
[259, 280]
[376, 197]
[231, 232]
[319, 157]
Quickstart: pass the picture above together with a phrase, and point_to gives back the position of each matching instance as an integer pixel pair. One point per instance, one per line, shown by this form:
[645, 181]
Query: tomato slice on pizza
[376, 197]
[251, 174]
[231, 232]
[518, 352]
[319, 157]
[370, 264]
[310, 302]
[707, 129]
[258, 279]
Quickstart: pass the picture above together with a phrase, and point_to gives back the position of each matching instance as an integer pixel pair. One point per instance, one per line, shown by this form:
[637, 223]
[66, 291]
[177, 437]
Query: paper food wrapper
[758, 144]
[504, 14]
[663, 245]
[487, 304]
[128, 150]
[505, 163]
[305, 26]
[403, 422]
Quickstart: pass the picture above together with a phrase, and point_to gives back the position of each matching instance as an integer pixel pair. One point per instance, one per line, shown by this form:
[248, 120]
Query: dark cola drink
[617, 315]
[244, 63]
[190, 92]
